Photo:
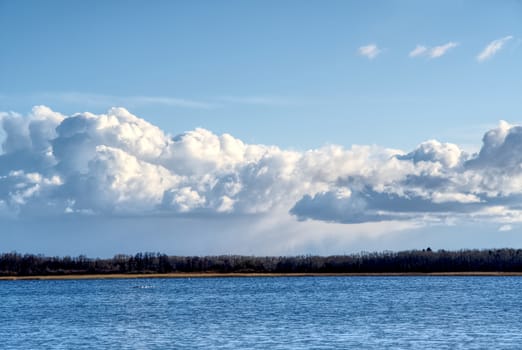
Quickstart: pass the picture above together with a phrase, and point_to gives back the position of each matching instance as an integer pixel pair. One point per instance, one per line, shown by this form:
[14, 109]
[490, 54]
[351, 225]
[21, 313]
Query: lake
[263, 313]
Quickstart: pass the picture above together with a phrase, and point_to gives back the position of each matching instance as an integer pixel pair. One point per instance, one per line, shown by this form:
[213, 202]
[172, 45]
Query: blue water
[263, 313]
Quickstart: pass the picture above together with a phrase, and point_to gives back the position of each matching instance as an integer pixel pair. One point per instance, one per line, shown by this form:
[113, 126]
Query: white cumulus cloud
[119, 164]
[492, 48]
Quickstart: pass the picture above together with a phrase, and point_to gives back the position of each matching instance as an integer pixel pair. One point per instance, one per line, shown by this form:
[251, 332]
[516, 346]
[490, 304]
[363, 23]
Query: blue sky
[284, 73]
[289, 74]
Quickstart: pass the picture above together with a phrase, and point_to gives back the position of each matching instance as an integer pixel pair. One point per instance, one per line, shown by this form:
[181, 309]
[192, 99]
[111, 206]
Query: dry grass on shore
[221, 275]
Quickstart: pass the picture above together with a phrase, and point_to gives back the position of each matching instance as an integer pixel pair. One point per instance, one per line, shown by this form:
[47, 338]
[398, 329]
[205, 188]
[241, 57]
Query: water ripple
[263, 313]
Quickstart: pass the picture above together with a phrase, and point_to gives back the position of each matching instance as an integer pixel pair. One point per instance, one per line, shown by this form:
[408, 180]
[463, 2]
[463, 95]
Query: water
[263, 313]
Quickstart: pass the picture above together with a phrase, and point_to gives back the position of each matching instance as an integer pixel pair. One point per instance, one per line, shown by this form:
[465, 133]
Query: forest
[411, 261]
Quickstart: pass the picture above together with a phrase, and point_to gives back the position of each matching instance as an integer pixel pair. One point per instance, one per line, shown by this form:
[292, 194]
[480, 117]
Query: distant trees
[421, 261]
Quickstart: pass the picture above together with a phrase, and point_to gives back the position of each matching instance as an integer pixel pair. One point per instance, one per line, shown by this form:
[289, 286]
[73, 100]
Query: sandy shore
[220, 275]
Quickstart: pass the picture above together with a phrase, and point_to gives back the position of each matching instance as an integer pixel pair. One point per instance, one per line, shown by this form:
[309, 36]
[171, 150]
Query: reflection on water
[263, 313]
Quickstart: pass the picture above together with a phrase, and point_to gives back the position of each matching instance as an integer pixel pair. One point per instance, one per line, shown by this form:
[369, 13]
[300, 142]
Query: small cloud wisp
[370, 51]
[492, 48]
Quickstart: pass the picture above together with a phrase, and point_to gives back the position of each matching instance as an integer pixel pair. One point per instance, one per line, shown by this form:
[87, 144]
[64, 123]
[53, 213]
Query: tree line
[411, 261]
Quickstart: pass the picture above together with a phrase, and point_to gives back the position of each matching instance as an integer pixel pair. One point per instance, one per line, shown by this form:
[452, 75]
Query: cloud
[436, 181]
[432, 52]
[117, 164]
[492, 48]
[259, 100]
[447, 154]
[505, 228]
[419, 50]
[370, 51]
[439, 51]
[101, 100]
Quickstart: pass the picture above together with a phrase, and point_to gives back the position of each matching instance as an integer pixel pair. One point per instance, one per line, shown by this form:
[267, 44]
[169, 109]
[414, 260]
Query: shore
[239, 275]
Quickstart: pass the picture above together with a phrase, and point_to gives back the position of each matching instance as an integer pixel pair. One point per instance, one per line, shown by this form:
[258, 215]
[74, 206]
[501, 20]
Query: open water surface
[263, 313]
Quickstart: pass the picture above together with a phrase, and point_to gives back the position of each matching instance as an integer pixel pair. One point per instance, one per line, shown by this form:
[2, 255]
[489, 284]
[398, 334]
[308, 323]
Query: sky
[260, 127]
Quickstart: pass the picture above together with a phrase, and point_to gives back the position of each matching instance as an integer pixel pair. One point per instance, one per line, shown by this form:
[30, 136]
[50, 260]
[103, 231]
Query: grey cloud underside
[369, 205]
[119, 164]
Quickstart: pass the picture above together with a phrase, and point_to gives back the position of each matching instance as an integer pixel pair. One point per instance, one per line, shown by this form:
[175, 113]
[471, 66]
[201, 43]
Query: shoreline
[243, 275]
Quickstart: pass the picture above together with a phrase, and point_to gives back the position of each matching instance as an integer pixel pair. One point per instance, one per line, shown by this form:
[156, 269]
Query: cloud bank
[118, 164]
